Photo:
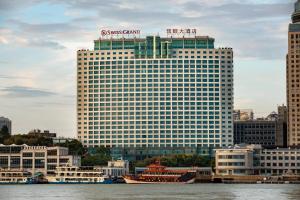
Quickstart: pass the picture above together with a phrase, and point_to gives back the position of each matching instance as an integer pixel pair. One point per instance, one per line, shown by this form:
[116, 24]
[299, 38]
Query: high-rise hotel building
[293, 79]
[155, 92]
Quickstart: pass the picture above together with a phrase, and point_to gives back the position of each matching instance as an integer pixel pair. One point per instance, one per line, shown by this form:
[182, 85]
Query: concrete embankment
[249, 179]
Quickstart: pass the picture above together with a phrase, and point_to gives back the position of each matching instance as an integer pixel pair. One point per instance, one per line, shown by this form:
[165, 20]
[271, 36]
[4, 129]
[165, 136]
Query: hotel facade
[155, 92]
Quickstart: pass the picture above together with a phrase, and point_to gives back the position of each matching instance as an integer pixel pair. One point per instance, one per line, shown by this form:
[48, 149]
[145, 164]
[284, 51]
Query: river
[150, 192]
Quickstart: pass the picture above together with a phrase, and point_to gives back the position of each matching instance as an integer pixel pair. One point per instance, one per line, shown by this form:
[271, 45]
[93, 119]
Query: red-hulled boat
[156, 173]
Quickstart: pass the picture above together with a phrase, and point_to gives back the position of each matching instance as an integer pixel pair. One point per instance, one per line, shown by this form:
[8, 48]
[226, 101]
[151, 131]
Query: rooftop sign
[181, 32]
[107, 33]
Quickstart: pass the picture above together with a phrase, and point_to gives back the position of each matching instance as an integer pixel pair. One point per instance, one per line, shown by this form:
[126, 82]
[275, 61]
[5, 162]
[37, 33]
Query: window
[3, 162]
[27, 154]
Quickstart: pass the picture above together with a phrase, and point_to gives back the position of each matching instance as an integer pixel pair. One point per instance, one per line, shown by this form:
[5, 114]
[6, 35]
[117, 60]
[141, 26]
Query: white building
[254, 160]
[35, 159]
[155, 92]
[280, 161]
[237, 160]
[61, 140]
[5, 122]
[116, 168]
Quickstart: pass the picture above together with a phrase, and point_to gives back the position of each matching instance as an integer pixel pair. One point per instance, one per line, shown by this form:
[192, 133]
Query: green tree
[144, 163]
[96, 157]
[180, 160]
[29, 140]
[75, 147]
[95, 160]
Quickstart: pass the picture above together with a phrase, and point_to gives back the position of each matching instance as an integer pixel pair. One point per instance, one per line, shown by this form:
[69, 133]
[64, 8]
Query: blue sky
[39, 40]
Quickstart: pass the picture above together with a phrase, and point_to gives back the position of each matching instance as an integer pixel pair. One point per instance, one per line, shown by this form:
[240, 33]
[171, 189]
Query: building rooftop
[283, 149]
[154, 46]
[4, 118]
[241, 146]
[143, 46]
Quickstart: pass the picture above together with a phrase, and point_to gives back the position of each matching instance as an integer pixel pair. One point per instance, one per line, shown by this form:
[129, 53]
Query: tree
[180, 160]
[75, 147]
[95, 160]
[29, 140]
[96, 157]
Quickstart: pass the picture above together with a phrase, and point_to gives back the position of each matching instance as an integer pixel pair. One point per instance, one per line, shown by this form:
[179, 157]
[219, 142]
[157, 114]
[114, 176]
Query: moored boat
[79, 175]
[158, 174]
[14, 176]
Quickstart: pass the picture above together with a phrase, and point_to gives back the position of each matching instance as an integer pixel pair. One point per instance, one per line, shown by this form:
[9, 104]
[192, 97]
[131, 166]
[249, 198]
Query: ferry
[158, 174]
[79, 175]
[14, 176]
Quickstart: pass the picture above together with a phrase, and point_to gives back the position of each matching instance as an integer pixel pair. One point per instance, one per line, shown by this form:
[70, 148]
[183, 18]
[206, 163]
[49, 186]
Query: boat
[14, 176]
[37, 178]
[79, 175]
[158, 174]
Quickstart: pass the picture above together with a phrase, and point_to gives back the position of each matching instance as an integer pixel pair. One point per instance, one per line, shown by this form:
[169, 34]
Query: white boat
[78, 175]
[14, 176]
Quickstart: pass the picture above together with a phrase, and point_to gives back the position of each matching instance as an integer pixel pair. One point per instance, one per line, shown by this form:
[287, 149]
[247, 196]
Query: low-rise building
[280, 161]
[254, 160]
[39, 133]
[237, 160]
[117, 168]
[61, 140]
[35, 158]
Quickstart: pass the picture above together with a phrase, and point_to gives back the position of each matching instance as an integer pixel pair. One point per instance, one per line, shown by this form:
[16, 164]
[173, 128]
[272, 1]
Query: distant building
[281, 127]
[254, 160]
[268, 132]
[39, 133]
[292, 78]
[273, 116]
[5, 122]
[255, 132]
[35, 158]
[48, 134]
[243, 114]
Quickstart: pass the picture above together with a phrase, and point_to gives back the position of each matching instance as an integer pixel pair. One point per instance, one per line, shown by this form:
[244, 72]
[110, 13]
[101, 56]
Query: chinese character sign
[181, 32]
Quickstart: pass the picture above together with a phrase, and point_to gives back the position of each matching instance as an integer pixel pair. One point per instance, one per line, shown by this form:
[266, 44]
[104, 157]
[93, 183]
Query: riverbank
[251, 179]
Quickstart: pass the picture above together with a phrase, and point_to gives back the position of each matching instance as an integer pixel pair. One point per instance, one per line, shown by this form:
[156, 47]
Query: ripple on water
[149, 192]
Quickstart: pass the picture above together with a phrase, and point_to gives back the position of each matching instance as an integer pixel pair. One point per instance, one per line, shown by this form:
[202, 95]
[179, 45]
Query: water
[149, 192]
